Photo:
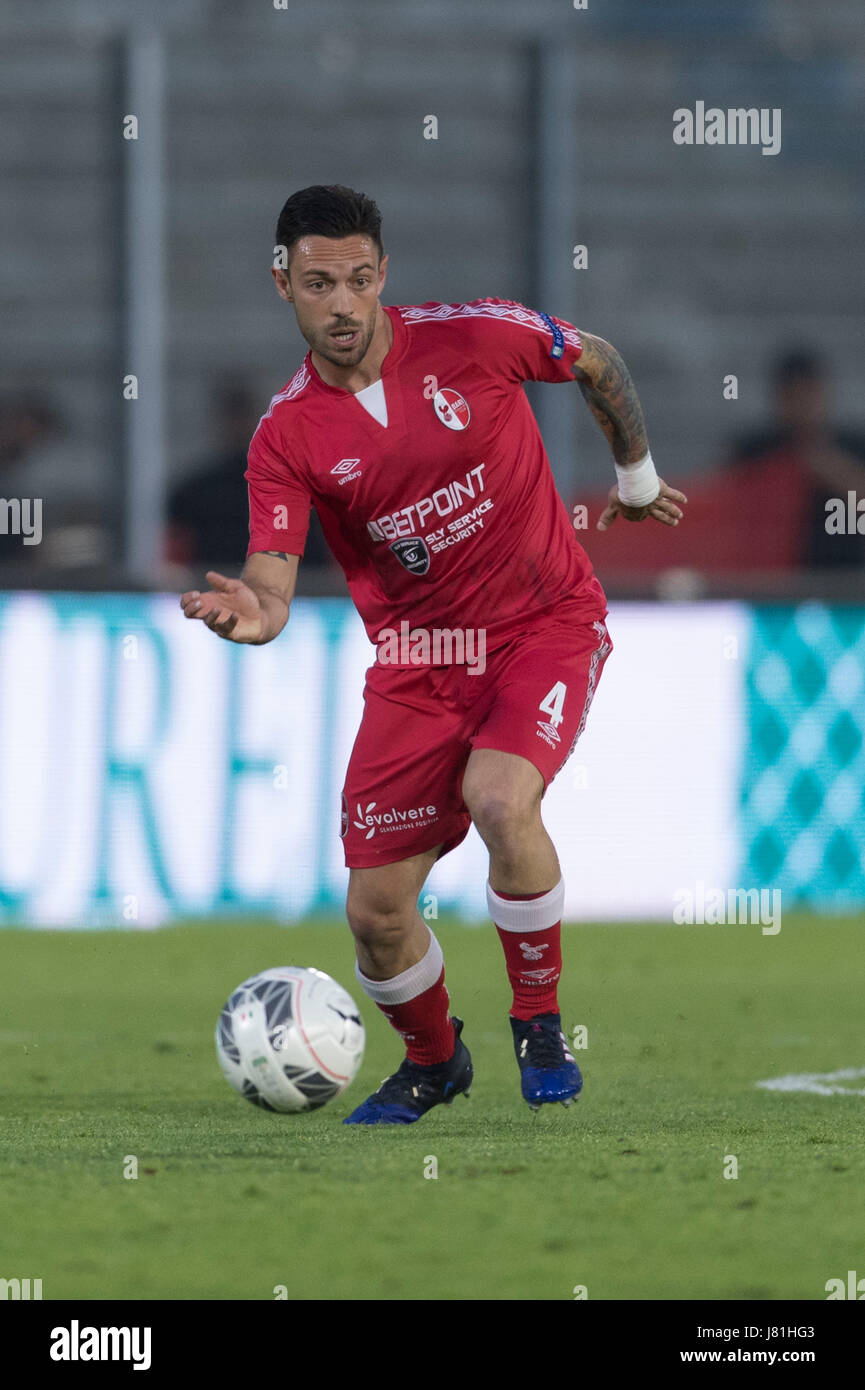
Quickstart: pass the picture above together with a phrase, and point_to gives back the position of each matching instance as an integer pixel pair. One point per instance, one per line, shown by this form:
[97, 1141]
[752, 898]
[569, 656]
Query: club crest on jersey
[412, 553]
[451, 408]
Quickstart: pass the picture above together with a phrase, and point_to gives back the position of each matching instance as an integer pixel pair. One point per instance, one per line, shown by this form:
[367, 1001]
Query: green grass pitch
[106, 1051]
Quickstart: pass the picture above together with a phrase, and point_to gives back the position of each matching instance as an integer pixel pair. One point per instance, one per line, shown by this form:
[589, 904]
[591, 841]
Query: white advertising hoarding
[149, 771]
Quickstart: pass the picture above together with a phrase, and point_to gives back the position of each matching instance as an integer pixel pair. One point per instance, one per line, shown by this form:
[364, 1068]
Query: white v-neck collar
[372, 398]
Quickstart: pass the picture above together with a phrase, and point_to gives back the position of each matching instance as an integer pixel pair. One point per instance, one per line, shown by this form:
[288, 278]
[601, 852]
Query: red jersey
[448, 516]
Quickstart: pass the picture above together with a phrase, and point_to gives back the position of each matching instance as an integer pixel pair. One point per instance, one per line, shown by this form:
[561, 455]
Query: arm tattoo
[611, 396]
[277, 554]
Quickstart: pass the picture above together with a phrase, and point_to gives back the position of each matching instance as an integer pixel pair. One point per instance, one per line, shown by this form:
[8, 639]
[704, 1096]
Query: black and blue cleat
[414, 1089]
[548, 1072]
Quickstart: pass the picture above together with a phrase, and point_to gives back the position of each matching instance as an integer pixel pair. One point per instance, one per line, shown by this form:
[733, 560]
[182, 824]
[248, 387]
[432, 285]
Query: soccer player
[408, 430]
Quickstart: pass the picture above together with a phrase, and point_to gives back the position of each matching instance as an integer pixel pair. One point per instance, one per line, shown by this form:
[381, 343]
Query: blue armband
[558, 346]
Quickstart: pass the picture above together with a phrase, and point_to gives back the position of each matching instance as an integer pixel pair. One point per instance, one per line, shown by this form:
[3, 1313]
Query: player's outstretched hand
[665, 508]
[229, 608]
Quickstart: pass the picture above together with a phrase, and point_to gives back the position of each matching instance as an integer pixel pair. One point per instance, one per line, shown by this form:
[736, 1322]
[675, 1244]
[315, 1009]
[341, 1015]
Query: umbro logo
[347, 470]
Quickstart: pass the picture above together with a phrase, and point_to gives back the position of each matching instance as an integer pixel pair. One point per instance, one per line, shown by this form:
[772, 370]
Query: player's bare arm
[609, 391]
[252, 609]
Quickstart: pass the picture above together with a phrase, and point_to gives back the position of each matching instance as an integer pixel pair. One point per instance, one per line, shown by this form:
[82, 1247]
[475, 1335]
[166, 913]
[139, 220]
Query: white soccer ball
[290, 1039]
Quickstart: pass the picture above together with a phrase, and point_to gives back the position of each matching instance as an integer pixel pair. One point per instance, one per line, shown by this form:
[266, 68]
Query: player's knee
[377, 921]
[501, 816]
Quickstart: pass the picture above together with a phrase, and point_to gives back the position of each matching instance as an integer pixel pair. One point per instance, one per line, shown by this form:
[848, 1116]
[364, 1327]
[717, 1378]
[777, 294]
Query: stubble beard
[324, 346]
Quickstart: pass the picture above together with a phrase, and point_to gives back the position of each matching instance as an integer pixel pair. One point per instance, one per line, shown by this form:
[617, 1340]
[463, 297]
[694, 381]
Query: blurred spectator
[764, 509]
[24, 422]
[804, 455]
[40, 461]
[208, 513]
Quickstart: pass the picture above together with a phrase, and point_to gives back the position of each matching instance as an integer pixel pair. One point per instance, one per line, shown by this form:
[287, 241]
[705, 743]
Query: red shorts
[403, 788]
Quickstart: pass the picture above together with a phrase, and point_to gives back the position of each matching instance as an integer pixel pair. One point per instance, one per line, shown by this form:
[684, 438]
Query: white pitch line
[815, 1083]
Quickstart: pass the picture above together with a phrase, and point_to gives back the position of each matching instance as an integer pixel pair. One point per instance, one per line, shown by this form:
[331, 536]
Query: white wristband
[638, 482]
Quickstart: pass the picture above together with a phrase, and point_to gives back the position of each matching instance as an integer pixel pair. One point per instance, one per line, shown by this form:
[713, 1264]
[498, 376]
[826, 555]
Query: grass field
[106, 1051]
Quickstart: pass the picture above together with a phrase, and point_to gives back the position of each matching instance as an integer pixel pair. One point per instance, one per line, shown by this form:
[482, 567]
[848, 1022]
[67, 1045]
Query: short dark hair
[328, 210]
[797, 366]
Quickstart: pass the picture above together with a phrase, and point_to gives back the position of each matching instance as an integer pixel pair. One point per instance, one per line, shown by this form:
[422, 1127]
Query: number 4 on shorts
[554, 702]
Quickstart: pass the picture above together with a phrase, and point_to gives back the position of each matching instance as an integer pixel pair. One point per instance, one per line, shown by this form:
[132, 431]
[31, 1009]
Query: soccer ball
[290, 1039]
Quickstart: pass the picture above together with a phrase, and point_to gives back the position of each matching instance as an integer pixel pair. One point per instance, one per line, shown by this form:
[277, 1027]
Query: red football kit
[459, 554]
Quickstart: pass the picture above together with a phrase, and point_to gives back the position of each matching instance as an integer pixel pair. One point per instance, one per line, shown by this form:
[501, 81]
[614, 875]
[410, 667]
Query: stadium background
[148, 772]
[153, 777]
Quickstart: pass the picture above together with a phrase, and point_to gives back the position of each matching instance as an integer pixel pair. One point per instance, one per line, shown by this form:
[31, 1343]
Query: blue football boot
[548, 1072]
[414, 1089]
